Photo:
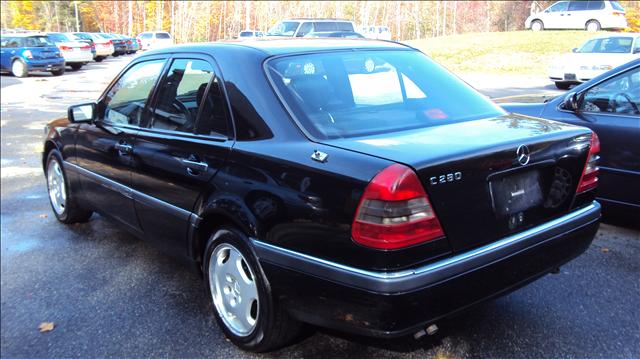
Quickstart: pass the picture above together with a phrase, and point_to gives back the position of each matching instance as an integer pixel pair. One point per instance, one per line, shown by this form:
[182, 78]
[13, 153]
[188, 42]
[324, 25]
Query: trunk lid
[477, 177]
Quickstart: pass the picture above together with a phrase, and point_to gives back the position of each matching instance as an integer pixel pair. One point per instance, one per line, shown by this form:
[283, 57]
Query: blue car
[609, 105]
[24, 53]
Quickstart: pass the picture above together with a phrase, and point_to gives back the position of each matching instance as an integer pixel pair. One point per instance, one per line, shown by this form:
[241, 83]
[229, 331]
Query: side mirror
[572, 102]
[575, 49]
[85, 112]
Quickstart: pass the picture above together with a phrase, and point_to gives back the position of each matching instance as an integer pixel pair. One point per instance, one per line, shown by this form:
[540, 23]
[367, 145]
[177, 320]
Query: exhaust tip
[432, 329]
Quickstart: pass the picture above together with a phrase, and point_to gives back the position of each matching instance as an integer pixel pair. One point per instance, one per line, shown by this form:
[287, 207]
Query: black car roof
[271, 47]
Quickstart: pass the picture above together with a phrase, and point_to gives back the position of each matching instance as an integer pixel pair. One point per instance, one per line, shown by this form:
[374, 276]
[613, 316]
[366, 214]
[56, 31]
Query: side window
[213, 117]
[636, 48]
[305, 28]
[561, 6]
[125, 101]
[181, 94]
[578, 5]
[620, 94]
[595, 5]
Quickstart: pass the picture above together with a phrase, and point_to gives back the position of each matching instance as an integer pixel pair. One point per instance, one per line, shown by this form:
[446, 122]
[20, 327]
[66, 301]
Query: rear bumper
[387, 304]
[80, 56]
[45, 65]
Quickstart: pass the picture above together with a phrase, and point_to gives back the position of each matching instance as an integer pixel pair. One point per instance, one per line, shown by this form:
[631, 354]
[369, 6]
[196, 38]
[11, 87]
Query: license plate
[516, 193]
[569, 76]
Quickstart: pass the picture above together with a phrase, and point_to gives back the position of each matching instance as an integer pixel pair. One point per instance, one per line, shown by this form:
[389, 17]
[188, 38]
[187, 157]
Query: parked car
[409, 207]
[301, 27]
[609, 104]
[75, 51]
[154, 39]
[104, 46]
[590, 15]
[119, 44]
[24, 53]
[132, 44]
[340, 34]
[84, 39]
[594, 57]
[250, 34]
[376, 32]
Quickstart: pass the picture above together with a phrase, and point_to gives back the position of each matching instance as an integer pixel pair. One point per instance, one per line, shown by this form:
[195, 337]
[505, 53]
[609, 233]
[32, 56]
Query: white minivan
[302, 27]
[154, 39]
[591, 15]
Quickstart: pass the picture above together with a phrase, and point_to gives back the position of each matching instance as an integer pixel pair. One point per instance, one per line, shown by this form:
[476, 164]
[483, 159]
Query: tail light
[615, 13]
[93, 46]
[395, 212]
[110, 42]
[129, 42]
[589, 179]
[27, 54]
[65, 48]
[85, 47]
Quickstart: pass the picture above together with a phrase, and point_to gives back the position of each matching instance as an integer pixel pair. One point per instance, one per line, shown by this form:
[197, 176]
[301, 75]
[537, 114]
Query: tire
[267, 325]
[537, 25]
[99, 58]
[592, 26]
[61, 197]
[115, 54]
[76, 67]
[19, 69]
[563, 85]
[58, 72]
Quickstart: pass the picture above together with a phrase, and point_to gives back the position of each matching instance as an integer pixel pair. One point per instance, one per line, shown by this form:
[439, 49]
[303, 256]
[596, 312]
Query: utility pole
[75, 5]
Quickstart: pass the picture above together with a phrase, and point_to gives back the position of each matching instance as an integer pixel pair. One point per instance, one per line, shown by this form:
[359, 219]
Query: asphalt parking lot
[111, 295]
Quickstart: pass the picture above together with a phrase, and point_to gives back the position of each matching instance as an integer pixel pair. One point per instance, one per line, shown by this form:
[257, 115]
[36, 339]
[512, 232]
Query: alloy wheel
[57, 188]
[234, 290]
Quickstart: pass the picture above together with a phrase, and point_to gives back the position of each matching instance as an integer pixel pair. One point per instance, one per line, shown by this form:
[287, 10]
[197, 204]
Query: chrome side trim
[404, 280]
[132, 193]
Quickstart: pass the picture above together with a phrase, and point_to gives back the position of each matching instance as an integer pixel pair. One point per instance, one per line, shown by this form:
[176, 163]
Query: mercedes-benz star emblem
[522, 154]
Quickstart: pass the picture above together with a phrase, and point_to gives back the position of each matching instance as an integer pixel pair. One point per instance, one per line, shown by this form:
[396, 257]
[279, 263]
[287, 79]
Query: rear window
[146, 35]
[58, 37]
[611, 45]
[616, 5]
[37, 41]
[344, 26]
[246, 34]
[162, 35]
[346, 94]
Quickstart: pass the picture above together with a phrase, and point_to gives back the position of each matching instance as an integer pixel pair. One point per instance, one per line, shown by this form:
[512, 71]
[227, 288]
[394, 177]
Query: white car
[594, 57]
[582, 14]
[154, 39]
[250, 35]
[302, 27]
[75, 52]
[376, 32]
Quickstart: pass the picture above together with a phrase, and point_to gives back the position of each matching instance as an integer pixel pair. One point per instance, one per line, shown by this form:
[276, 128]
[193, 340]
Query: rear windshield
[58, 37]
[346, 94]
[162, 35]
[284, 28]
[610, 45]
[37, 41]
[616, 5]
[246, 34]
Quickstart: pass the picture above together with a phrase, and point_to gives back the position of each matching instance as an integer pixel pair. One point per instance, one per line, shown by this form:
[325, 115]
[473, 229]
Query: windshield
[347, 94]
[284, 28]
[37, 41]
[58, 37]
[616, 6]
[611, 45]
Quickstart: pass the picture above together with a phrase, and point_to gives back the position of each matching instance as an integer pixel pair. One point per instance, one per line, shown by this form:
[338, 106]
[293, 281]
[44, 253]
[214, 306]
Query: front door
[555, 16]
[180, 150]
[104, 148]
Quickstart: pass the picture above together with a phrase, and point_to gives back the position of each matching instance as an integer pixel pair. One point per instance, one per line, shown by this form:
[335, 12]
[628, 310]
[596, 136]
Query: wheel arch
[49, 146]
[215, 216]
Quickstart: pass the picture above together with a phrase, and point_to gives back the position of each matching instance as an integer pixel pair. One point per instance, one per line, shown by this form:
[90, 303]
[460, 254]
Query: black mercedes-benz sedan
[609, 105]
[350, 184]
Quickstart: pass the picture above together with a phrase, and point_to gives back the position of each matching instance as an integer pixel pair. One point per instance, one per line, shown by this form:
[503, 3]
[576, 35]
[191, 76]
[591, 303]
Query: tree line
[194, 21]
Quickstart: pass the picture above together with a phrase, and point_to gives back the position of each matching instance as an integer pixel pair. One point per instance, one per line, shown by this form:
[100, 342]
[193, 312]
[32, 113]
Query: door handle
[123, 148]
[193, 167]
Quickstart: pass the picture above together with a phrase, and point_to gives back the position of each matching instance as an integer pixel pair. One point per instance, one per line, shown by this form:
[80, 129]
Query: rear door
[181, 148]
[104, 148]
